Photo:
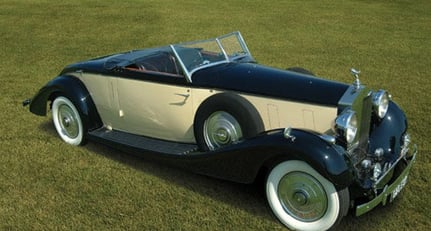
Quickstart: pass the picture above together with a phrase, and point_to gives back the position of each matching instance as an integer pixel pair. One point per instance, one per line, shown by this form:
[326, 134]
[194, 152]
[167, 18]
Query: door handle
[183, 95]
[186, 96]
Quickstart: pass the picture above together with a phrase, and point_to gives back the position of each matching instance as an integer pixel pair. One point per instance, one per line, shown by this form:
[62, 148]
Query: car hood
[262, 80]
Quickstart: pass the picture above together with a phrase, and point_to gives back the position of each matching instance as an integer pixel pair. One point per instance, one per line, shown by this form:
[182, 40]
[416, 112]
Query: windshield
[194, 56]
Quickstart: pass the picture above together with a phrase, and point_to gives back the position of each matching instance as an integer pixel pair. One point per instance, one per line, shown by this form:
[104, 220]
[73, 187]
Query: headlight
[346, 125]
[380, 103]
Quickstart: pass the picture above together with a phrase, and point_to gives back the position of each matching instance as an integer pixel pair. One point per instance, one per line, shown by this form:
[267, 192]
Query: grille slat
[363, 109]
[365, 124]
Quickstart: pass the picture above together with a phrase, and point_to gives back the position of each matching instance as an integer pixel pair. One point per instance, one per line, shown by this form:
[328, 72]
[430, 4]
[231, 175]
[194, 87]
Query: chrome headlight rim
[380, 100]
[346, 126]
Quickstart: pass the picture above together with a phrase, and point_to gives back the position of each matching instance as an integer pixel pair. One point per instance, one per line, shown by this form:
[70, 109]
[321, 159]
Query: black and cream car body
[323, 147]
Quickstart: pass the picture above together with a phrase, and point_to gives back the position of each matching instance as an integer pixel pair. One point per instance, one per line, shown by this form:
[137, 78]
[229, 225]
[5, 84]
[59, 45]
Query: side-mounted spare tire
[225, 119]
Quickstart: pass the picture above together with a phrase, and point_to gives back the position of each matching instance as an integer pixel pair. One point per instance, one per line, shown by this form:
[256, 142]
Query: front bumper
[390, 191]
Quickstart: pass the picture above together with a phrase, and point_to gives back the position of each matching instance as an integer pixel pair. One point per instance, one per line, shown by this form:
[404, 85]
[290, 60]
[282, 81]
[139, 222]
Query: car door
[155, 105]
[104, 94]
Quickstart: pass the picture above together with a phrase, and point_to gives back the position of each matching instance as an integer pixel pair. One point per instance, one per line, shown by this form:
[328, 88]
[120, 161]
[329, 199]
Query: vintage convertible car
[323, 147]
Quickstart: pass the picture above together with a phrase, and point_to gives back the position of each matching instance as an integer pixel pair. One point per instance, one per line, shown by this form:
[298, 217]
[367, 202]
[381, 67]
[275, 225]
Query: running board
[141, 142]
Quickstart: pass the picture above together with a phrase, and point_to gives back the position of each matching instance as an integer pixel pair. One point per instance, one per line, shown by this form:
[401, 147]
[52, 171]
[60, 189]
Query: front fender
[243, 162]
[388, 132]
[328, 159]
[75, 90]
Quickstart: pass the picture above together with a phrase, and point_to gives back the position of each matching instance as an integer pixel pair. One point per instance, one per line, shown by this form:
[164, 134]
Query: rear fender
[72, 88]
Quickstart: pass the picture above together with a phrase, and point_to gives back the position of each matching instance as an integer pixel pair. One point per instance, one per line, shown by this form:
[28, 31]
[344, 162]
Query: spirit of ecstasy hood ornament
[356, 73]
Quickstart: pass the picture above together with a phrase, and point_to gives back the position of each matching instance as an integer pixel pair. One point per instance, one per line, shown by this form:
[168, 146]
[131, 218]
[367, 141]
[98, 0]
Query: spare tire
[225, 119]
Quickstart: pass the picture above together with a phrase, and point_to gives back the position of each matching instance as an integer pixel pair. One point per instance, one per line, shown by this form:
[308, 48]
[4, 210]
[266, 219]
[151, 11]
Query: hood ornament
[356, 73]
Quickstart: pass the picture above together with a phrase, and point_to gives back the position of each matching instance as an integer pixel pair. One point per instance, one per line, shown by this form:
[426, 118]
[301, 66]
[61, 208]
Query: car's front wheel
[67, 121]
[302, 199]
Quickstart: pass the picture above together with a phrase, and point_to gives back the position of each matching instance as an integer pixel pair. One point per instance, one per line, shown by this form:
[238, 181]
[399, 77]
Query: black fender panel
[243, 162]
[75, 90]
[388, 132]
[328, 159]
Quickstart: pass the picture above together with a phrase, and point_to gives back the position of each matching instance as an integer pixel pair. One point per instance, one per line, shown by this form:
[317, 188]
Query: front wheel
[302, 199]
[67, 121]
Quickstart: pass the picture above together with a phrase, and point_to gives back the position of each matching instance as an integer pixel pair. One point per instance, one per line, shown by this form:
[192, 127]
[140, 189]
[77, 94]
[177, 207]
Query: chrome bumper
[390, 191]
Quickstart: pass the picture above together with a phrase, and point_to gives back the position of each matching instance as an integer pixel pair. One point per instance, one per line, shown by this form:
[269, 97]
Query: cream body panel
[155, 110]
[104, 94]
[277, 113]
[167, 112]
[143, 108]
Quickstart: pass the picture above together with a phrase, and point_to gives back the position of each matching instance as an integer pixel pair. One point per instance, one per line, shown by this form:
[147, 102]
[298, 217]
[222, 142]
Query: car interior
[163, 62]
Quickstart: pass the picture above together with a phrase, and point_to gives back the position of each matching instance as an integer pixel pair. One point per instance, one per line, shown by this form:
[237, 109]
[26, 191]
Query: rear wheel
[302, 199]
[67, 121]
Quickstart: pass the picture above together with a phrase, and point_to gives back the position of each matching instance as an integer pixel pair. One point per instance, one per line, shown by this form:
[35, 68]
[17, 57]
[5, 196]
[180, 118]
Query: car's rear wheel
[67, 121]
[302, 199]
[225, 119]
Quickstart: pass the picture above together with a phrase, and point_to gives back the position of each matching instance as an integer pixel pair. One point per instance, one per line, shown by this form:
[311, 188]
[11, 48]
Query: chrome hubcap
[220, 129]
[302, 196]
[68, 121]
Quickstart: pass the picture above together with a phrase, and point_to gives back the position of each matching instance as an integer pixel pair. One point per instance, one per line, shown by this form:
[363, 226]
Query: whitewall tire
[67, 121]
[302, 199]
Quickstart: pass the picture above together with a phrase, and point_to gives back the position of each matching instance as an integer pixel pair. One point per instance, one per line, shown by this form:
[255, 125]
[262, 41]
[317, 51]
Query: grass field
[48, 185]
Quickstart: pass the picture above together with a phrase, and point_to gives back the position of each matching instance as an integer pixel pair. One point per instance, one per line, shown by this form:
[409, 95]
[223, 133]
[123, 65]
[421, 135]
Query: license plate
[398, 189]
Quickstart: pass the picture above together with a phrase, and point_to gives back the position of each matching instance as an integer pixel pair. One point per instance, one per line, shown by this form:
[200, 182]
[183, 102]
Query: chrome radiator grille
[365, 122]
[363, 108]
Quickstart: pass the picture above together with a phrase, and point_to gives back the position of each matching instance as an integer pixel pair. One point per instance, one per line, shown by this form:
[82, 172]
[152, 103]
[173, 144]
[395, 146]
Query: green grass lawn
[46, 184]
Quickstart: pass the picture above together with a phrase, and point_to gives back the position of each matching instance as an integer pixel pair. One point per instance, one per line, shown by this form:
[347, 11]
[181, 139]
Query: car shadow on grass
[247, 197]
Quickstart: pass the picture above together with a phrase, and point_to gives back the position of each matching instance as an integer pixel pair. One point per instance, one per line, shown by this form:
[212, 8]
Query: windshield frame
[197, 55]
